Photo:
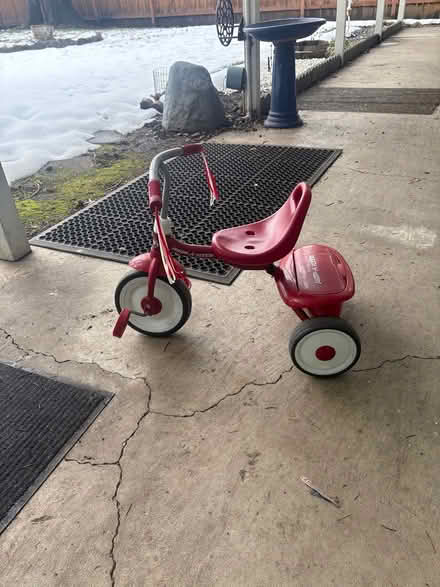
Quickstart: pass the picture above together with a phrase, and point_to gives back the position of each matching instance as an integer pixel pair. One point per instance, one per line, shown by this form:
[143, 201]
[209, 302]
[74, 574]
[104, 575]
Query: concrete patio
[191, 476]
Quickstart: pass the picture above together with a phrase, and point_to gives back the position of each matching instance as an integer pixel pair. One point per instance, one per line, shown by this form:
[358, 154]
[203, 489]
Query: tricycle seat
[258, 245]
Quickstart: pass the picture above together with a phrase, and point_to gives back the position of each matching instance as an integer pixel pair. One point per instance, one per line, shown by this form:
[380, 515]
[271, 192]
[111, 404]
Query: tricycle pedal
[121, 323]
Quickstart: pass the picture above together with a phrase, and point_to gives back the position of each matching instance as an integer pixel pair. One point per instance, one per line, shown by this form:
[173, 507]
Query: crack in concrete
[29, 352]
[413, 178]
[14, 343]
[115, 497]
[278, 379]
[222, 399]
[399, 360]
[117, 463]
[91, 463]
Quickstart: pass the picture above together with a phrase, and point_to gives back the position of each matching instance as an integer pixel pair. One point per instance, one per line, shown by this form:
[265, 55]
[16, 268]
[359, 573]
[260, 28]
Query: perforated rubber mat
[380, 100]
[253, 181]
[40, 421]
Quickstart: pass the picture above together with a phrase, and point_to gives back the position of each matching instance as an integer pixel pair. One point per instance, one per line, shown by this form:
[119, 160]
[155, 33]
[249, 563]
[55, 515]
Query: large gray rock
[192, 102]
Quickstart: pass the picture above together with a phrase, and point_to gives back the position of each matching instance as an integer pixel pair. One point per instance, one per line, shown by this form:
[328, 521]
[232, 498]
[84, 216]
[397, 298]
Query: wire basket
[160, 79]
[42, 32]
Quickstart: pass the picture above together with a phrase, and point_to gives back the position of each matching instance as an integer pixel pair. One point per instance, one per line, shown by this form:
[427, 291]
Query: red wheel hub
[151, 306]
[325, 353]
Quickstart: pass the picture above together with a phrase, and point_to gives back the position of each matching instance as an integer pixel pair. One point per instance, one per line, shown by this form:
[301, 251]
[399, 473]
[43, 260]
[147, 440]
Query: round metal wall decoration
[224, 21]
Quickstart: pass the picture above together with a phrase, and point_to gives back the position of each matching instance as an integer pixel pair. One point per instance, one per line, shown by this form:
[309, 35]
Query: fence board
[15, 12]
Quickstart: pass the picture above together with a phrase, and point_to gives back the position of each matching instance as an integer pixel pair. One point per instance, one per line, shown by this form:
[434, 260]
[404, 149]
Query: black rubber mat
[379, 100]
[40, 421]
[254, 181]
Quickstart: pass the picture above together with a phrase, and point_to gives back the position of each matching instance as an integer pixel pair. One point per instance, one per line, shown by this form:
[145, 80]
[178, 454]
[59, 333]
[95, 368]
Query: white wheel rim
[342, 343]
[172, 308]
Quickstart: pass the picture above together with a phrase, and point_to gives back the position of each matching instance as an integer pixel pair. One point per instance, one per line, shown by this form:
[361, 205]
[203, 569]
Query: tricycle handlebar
[154, 192]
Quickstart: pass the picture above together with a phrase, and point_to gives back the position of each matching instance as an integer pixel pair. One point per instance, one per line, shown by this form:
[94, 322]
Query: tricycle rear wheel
[324, 346]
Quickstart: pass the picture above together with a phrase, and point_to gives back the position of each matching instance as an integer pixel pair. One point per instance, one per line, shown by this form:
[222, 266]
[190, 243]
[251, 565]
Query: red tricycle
[313, 280]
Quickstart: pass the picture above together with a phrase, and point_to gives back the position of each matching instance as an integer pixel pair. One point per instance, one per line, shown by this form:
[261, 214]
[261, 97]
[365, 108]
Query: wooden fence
[15, 12]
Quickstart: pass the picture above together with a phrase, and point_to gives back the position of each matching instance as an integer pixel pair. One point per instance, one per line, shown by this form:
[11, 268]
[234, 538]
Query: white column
[341, 16]
[401, 13]
[251, 14]
[13, 242]
[380, 11]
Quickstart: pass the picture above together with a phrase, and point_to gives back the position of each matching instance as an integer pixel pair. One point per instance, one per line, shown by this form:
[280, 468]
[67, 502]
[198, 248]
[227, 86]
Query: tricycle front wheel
[324, 347]
[175, 300]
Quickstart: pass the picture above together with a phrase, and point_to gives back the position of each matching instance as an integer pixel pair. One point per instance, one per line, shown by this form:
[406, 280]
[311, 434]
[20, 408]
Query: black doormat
[379, 100]
[40, 420]
[254, 181]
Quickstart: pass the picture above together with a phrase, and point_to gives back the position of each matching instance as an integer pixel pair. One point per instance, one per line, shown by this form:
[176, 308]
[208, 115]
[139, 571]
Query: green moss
[71, 193]
[39, 213]
[96, 183]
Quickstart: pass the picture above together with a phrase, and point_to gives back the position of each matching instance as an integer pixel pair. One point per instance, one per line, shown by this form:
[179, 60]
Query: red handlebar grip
[192, 148]
[154, 194]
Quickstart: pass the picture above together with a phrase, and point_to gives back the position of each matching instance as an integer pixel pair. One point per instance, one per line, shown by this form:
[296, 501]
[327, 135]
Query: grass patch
[70, 192]
[97, 182]
[38, 213]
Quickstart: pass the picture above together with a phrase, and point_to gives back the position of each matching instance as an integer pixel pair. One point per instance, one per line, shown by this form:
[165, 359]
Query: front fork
[150, 304]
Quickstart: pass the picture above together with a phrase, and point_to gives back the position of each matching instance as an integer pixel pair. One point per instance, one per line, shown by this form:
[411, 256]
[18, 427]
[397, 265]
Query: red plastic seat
[260, 244]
